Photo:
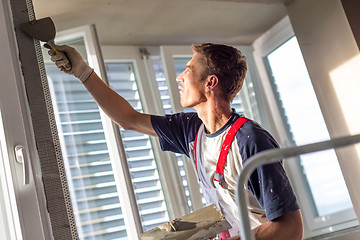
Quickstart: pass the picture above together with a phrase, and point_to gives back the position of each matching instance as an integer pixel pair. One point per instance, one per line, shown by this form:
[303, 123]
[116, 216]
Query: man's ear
[212, 82]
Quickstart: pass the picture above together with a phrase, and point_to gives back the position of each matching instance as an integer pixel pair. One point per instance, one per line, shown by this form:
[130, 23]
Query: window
[306, 125]
[297, 120]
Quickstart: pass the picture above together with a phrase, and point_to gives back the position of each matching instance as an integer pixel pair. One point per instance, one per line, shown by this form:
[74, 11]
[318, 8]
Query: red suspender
[222, 157]
[226, 145]
[224, 149]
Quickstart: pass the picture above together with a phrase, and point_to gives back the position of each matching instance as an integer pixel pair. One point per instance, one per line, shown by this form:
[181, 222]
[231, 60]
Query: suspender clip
[219, 178]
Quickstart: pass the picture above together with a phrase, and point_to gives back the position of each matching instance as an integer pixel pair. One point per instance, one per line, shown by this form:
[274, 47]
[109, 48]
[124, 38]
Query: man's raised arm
[115, 106]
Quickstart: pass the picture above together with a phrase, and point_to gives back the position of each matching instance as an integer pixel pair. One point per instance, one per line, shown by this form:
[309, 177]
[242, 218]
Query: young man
[210, 82]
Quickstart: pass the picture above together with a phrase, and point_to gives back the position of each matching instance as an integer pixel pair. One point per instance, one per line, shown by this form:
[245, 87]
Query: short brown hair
[227, 63]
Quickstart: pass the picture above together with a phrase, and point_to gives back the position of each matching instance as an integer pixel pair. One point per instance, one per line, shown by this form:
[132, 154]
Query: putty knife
[44, 30]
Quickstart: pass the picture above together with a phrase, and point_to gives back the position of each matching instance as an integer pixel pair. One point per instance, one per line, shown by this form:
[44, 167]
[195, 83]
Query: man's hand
[68, 55]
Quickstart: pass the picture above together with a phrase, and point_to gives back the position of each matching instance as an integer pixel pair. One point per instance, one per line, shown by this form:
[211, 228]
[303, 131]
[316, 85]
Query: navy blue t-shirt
[269, 183]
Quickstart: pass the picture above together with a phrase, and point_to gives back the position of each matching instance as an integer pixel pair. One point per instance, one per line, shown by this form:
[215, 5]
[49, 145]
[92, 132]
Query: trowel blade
[42, 29]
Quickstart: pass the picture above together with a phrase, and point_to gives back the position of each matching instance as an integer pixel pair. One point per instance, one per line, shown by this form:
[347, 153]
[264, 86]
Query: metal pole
[271, 156]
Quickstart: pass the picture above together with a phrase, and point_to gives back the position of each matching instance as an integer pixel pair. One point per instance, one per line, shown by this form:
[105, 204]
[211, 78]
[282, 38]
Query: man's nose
[180, 78]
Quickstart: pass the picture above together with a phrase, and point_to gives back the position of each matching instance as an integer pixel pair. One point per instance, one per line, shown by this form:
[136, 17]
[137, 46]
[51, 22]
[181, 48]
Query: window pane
[86, 158]
[306, 125]
[140, 156]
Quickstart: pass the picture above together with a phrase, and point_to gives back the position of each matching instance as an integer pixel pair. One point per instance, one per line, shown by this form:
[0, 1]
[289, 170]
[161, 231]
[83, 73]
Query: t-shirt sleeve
[268, 183]
[176, 131]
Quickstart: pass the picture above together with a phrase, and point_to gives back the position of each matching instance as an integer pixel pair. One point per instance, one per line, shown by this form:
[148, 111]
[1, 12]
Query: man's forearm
[116, 107]
[285, 227]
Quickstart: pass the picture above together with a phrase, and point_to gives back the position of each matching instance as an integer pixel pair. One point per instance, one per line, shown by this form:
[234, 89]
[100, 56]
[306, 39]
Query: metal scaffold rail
[271, 156]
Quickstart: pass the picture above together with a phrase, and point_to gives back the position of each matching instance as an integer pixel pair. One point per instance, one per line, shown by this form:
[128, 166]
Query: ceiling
[166, 22]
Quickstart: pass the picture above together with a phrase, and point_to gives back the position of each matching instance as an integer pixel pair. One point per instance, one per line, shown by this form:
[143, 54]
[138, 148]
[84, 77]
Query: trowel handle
[53, 47]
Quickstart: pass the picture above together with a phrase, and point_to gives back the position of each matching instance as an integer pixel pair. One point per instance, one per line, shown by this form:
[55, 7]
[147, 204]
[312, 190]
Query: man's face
[192, 85]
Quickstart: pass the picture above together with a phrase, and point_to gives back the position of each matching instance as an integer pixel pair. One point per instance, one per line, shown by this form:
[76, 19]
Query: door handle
[21, 159]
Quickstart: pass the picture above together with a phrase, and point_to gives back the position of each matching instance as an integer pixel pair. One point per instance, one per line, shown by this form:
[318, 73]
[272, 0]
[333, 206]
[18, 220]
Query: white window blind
[90, 176]
[140, 156]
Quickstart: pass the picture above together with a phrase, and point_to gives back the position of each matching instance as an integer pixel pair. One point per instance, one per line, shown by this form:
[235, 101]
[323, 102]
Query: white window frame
[314, 225]
[251, 93]
[25, 204]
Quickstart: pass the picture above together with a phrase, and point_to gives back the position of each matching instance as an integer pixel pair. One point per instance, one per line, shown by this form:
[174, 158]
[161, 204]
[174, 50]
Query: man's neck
[214, 116]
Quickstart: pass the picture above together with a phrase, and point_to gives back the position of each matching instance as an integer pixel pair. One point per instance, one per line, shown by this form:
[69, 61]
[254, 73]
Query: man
[210, 82]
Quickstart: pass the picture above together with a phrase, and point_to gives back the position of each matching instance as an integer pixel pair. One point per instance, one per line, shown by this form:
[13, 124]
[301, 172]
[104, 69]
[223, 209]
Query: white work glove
[70, 61]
